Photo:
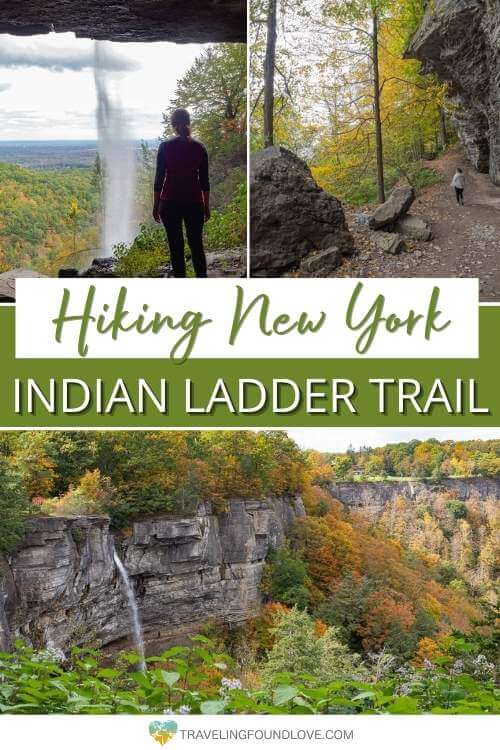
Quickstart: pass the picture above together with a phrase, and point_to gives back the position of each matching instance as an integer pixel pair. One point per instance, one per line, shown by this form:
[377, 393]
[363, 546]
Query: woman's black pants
[459, 192]
[175, 214]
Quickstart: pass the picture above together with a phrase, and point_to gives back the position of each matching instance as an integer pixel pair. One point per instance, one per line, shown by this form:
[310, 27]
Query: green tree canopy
[14, 507]
[214, 92]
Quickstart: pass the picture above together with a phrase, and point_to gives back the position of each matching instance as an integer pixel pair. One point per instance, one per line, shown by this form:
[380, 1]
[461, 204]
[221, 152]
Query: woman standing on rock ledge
[182, 194]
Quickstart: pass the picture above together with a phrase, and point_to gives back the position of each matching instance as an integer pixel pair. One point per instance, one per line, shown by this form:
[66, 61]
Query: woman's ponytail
[181, 122]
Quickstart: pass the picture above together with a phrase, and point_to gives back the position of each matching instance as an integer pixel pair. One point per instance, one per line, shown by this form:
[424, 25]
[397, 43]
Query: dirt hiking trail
[465, 239]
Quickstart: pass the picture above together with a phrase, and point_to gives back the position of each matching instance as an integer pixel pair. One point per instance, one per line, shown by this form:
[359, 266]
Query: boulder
[414, 227]
[100, 268]
[387, 214]
[322, 263]
[228, 263]
[390, 243]
[8, 282]
[68, 273]
[291, 216]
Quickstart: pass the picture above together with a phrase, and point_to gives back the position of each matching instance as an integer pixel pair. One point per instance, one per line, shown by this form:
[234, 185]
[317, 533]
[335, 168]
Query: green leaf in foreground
[170, 677]
[213, 707]
[283, 694]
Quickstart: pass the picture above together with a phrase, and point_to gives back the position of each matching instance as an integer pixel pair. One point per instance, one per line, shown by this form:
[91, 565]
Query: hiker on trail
[182, 194]
[458, 182]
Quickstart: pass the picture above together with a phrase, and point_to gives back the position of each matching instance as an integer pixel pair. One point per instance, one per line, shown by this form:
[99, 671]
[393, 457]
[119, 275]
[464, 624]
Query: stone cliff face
[61, 585]
[459, 40]
[372, 497]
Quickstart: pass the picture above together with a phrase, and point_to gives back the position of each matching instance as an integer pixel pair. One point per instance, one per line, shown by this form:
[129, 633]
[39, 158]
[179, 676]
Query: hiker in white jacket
[458, 182]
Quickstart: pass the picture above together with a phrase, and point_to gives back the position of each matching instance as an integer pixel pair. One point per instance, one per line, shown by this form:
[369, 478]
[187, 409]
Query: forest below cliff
[387, 613]
[52, 218]
[48, 219]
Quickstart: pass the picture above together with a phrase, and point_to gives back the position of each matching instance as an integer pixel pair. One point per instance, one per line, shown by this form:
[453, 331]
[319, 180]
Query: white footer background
[360, 732]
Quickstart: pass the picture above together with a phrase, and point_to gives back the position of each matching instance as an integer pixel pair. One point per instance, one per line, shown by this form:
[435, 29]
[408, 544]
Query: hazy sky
[336, 439]
[47, 84]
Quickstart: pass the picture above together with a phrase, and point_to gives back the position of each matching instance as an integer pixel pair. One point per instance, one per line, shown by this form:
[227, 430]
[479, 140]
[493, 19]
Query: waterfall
[118, 158]
[134, 611]
[4, 625]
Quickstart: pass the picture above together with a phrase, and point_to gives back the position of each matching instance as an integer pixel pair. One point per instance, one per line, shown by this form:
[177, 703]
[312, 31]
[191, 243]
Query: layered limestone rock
[292, 218]
[372, 497]
[62, 586]
[459, 40]
[129, 20]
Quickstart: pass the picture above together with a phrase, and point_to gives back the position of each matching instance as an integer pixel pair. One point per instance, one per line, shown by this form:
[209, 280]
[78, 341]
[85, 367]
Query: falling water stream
[4, 625]
[117, 154]
[134, 611]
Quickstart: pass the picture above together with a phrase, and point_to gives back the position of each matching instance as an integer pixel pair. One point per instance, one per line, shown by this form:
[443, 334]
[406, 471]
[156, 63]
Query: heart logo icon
[162, 731]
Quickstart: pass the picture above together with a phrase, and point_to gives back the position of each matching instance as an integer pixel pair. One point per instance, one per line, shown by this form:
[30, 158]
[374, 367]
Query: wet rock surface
[459, 40]
[100, 268]
[291, 216]
[61, 586]
[129, 20]
[6, 593]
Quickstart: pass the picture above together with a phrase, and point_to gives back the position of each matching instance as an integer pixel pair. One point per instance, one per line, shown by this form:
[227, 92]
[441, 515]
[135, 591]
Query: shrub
[201, 680]
[227, 228]
[149, 250]
[299, 650]
[457, 508]
[94, 494]
[145, 255]
[446, 573]
[78, 535]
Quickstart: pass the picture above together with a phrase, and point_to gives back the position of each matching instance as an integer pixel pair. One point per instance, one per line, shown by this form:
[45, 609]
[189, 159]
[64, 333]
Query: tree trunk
[376, 112]
[269, 65]
[443, 129]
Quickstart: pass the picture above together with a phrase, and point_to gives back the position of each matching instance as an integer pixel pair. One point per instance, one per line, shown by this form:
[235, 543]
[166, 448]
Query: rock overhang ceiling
[184, 21]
